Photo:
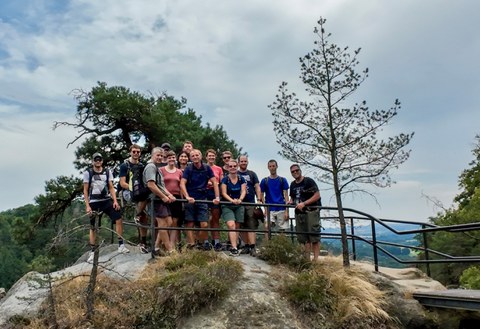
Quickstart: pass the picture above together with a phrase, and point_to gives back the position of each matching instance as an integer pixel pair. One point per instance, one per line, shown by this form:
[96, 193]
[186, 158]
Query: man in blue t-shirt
[194, 187]
[275, 189]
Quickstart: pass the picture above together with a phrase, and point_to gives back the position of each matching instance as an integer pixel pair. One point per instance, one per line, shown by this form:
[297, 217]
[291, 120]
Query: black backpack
[138, 190]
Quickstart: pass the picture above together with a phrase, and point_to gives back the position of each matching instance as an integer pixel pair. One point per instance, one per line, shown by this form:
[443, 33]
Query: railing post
[374, 243]
[425, 245]
[269, 227]
[153, 232]
[352, 231]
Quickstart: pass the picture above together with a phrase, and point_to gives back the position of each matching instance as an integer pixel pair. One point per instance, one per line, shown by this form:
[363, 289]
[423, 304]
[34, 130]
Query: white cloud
[228, 59]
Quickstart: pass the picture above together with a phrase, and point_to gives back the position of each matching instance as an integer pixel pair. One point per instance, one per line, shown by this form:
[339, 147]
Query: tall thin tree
[340, 142]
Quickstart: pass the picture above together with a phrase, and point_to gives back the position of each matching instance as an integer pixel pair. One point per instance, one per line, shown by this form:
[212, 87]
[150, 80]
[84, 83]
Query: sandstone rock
[28, 293]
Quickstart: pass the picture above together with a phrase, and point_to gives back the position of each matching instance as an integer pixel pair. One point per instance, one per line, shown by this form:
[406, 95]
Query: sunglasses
[136, 152]
[232, 166]
[227, 157]
[98, 160]
[295, 170]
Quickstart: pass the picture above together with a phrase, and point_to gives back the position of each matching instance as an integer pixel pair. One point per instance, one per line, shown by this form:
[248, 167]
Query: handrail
[425, 229]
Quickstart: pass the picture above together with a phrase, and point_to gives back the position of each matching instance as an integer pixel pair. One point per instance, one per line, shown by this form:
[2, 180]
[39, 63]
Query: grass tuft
[280, 250]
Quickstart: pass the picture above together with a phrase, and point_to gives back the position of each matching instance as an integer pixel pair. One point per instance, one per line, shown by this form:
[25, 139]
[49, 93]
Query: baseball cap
[97, 155]
[166, 146]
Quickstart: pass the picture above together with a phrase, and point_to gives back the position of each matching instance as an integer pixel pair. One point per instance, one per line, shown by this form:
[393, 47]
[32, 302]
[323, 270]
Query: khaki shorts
[308, 226]
[278, 218]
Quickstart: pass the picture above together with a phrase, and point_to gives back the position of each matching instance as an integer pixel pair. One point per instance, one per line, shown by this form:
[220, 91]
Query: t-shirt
[233, 190]
[152, 172]
[251, 179]
[218, 172]
[300, 192]
[98, 189]
[172, 180]
[274, 191]
[197, 180]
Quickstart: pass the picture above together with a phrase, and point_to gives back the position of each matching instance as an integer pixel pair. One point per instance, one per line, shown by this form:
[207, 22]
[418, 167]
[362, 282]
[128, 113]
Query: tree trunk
[343, 226]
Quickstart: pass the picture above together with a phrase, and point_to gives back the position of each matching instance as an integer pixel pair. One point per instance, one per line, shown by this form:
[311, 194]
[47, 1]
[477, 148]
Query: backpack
[265, 179]
[138, 190]
[96, 176]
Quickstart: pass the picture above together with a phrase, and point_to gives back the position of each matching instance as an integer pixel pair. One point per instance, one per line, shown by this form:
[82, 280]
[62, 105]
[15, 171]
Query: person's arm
[215, 190]
[258, 192]
[88, 209]
[113, 194]
[183, 188]
[152, 185]
[312, 200]
[243, 192]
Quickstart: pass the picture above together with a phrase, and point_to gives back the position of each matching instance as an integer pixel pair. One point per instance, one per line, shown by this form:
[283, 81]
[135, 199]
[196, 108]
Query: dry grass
[329, 296]
[168, 290]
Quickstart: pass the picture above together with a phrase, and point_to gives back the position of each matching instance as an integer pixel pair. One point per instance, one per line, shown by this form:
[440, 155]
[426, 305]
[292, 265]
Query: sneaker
[234, 252]
[207, 246]
[122, 249]
[90, 257]
[143, 248]
[245, 250]
[218, 246]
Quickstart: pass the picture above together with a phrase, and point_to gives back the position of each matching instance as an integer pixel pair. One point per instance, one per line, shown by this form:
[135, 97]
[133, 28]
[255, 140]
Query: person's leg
[232, 235]
[162, 236]
[316, 250]
[189, 233]
[215, 223]
[173, 234]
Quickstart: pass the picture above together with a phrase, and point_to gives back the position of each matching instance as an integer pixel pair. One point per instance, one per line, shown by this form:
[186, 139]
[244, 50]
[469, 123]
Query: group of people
[212, 193]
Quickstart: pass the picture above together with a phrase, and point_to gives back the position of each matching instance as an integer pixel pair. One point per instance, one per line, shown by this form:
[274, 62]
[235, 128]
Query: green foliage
[470, 278]
[280, 250]
[468, 211]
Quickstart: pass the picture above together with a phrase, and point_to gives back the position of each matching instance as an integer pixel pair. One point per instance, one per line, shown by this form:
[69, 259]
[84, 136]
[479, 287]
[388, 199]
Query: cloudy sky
[228, 59]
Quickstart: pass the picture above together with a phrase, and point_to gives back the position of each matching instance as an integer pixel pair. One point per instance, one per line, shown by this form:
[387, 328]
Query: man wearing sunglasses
[99, 195]
[305, 195]
[226, 157]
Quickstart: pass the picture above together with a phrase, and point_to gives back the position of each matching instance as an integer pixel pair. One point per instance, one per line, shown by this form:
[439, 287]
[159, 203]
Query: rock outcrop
[254, 302]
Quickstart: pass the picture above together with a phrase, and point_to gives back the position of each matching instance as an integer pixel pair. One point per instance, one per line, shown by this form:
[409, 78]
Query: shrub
[470, 278]
[280, 250]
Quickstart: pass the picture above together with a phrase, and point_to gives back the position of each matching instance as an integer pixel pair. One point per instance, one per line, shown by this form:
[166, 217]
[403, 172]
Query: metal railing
[351, 216]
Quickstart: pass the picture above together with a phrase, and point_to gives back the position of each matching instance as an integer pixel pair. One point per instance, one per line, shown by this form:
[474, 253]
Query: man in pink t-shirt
[211, 156]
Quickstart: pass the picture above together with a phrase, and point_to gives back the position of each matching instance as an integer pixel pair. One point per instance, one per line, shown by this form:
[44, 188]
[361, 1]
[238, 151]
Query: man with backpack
[250, 222]
[99, 195]
[305, 195]
[275, 189]
[133, 190]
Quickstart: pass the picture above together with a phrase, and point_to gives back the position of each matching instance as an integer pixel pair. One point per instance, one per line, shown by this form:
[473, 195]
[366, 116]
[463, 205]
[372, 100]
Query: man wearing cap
[99, 195]
[166, 147]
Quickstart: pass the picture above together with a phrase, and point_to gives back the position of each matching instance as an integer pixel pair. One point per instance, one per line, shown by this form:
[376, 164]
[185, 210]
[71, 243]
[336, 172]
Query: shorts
[106, 207]
[236, 213]
[161, 210]
[250, 222]
[176, 208]
[278, 218]
[196, 212]
[308, 226]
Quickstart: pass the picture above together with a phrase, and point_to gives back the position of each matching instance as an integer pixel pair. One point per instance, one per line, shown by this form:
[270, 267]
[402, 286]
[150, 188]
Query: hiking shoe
[218, 246]
[245, 250]
[122, 249]
[90, 257]
[207, 246]
[234, 252]
[143, 248]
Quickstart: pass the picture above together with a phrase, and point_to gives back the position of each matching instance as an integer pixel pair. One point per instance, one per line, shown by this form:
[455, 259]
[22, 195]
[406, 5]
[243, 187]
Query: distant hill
[364, 251]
